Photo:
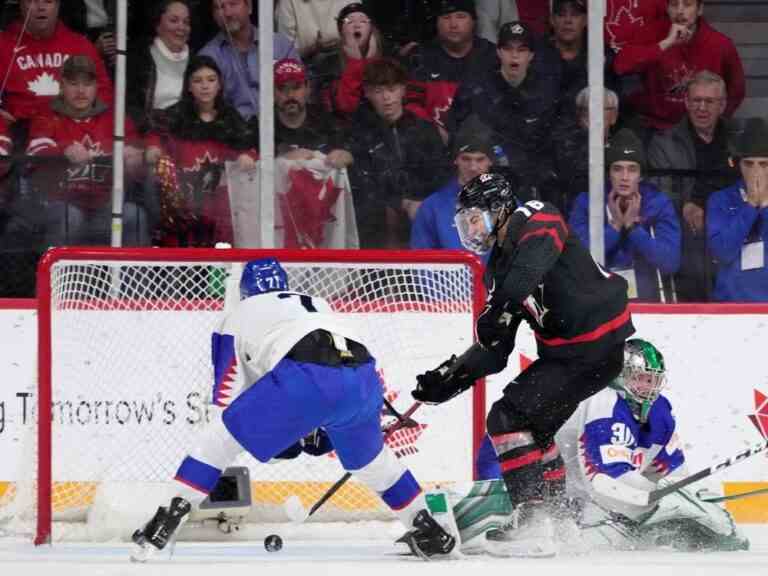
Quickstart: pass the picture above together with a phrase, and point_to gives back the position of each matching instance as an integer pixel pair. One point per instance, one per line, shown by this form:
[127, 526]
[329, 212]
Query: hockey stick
[738, 496]
[293, 506]
[657, 495]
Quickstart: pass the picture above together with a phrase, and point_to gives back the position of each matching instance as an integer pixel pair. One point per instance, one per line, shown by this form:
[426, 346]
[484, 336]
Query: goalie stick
[610, 487]
[657, 495]
[293, 506]
[729, 497]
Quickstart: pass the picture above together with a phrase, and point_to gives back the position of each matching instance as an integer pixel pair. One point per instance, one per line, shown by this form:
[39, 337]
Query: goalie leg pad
[685, 522]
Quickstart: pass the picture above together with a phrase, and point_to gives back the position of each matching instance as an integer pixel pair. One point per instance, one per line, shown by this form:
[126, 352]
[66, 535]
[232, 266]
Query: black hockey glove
[443, 383]
[493, 324]
[317, 443]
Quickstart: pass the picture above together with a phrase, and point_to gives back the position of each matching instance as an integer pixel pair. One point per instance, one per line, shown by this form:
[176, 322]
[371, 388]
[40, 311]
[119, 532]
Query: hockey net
[124, 380]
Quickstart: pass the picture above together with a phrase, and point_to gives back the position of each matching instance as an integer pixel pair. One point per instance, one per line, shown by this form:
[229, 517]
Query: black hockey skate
[427, 538]
[160, 529]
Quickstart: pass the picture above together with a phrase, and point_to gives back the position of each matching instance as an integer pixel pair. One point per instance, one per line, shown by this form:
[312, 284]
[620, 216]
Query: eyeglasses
[705, 102]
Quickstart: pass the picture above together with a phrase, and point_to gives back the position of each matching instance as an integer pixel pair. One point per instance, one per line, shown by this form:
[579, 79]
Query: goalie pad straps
[521, 466]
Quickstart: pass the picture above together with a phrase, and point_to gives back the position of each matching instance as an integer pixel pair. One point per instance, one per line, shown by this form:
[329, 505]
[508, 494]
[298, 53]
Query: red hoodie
[666, 72]
[33, 78]
[88, 185]
[629, 21]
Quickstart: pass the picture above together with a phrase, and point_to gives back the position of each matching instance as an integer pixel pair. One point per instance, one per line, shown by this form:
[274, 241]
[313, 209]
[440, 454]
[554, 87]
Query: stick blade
[295, 510]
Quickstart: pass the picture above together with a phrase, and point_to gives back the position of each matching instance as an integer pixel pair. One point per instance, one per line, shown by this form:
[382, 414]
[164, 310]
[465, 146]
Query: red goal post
[136, 322]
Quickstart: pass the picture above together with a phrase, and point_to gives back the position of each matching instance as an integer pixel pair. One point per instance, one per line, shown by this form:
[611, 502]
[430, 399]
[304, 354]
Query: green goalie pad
[682, 521]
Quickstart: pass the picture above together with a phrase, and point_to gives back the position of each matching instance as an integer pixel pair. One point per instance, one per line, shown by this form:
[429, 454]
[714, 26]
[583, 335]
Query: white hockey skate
[529, 535]
[160, 530]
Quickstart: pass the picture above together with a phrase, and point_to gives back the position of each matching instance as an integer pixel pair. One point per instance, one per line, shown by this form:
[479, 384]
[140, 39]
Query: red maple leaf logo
[618, 27]
[760, 417]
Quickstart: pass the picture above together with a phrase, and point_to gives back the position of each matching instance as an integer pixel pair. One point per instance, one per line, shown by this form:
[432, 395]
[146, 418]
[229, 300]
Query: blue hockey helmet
[262, 275]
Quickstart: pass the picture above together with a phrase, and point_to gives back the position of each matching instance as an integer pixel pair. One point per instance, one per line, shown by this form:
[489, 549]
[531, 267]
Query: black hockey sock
[553, 467]
[521, 467]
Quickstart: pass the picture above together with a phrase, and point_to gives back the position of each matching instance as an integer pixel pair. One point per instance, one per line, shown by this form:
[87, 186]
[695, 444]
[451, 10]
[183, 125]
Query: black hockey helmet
[491, 191]
[482, 207]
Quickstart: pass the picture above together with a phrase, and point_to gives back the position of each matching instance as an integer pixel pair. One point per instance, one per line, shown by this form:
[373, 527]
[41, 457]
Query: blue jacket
[731, 222]
[638, 249]
[434, 227]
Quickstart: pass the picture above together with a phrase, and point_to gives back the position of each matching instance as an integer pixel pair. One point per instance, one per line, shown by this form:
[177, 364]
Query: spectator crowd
[409, 100]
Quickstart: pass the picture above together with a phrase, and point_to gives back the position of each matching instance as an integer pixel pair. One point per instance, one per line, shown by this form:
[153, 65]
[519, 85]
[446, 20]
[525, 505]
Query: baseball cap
[580, 5]
[449, 6]
[515, 32]
[78, 66]
[289, 70]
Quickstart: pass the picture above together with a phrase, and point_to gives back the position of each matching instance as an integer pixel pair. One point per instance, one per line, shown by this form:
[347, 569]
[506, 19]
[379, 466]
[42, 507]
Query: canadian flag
[760, 417]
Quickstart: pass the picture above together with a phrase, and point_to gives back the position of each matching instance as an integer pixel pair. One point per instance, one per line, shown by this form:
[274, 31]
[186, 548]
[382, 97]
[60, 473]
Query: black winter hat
[449, 6]
[351, 9]
[624, 146]
[751, 140]
[580, 5]
[474, 136]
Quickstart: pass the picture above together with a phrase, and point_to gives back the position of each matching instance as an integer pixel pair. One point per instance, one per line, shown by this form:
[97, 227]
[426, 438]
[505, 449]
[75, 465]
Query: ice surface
[371, 553]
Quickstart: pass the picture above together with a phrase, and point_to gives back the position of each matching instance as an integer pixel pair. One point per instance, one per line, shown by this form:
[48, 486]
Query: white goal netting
[125, 342]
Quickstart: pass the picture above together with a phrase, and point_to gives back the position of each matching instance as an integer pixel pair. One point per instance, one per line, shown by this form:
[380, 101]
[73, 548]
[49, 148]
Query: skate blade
[140, 553]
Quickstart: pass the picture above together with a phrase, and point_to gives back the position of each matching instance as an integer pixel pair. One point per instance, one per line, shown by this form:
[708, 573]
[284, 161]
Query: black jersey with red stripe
[575, 308]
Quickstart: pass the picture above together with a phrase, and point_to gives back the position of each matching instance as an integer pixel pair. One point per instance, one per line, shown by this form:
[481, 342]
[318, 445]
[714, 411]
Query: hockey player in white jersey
[621, 441]
[285, 365]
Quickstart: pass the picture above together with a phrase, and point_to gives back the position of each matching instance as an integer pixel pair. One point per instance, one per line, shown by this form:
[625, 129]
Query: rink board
[716, 358]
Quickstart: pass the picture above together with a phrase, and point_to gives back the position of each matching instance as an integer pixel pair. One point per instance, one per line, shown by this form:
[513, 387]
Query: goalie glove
[443, 383]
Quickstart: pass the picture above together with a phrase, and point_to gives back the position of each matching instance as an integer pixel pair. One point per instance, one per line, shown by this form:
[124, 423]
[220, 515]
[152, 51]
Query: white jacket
[301, 20]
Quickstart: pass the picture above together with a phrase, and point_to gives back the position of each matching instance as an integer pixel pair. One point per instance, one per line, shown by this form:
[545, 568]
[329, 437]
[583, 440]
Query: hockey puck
[273, 543]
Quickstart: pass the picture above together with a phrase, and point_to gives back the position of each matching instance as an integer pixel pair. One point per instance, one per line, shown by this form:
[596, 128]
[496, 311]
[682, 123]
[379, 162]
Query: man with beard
[236, 51]
[301, 130]
[677, 49]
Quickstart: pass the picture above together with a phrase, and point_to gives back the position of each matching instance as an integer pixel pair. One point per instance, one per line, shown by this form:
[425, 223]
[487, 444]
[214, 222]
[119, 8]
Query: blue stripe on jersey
[197, 474]
[224, 366]
[402, 492]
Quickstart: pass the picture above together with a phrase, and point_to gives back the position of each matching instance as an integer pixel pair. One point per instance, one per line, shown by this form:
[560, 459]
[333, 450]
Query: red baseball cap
[289, 70]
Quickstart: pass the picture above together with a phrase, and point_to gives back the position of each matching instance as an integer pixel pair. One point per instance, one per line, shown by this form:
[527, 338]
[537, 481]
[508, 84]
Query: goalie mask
[482, 207]
[642, 378]
[262, 275]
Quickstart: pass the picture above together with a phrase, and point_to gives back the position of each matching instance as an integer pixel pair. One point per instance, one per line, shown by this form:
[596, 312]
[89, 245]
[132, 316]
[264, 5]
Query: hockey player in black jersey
[539, 272]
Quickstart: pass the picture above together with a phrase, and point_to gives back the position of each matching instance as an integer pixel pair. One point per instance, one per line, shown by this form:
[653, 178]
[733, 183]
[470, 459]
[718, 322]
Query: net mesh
[131, 380]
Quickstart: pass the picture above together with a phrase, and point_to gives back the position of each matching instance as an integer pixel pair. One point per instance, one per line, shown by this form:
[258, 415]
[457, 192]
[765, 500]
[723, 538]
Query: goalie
[620, 441]
[284, 366]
